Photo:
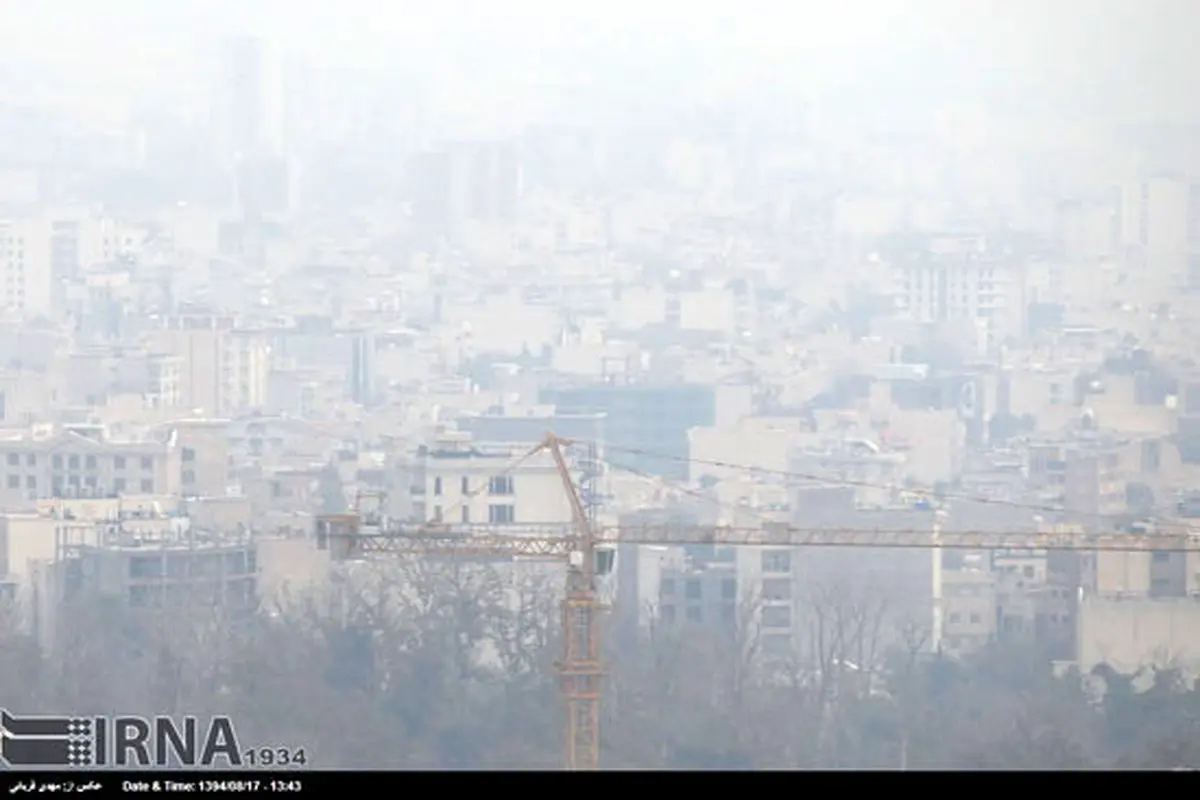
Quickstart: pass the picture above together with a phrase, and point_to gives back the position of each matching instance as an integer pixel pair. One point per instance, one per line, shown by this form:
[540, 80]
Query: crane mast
[581, 666]
[580, 669]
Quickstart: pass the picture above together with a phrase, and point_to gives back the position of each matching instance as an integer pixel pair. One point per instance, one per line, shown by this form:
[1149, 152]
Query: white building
[461, 481]
[221, 369]
[959, 280]
[81, 461]
[26, 285]
[1153, 216]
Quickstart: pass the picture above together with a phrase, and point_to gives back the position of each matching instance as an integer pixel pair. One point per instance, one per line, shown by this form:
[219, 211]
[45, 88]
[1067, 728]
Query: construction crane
[589, 552]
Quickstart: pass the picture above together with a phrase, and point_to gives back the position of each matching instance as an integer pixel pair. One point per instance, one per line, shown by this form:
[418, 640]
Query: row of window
[192, 565]
[497, 485]
[73, 462]
[119, 485]
[773, 617]
[694, 589]
[695, 614]
[777, 561]
[497, 514]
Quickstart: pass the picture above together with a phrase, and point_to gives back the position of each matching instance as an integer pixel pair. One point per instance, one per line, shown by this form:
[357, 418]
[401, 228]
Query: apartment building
[1154, 223]
[1036, 598]
[458, 480]
[81, 461]
[1088, 477]
[968, 605]
[245, 370]
[962, 278]
[221, 369]
[150, 574]
[1193, 236]
[26, 284]
[163, 377]
[701, 594]
[203, 456]
[198, 340]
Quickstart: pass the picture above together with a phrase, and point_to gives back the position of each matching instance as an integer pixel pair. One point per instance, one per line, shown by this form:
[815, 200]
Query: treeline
[417, 666]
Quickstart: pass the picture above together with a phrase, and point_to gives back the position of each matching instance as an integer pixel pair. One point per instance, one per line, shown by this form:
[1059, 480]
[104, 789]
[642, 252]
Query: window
[668, 613]
[119, 485]
[14, 460]
[777, 617]
[437, 487]
[437, 513]
[777, 589]
[466, 514]
[58, 462]
[976, 619]
[118, 462]
[694, 614]
[777, 561]
[1161, 556]
[1028, 572]
[693, 590]
[30, 482]
[147, 486]
[189, 454]
[189, 476]
[729, 614]
[14, 481]
[465, 486]
[729, 589]
[147, 462]
[955, 618]
[73, 462]
[500, 484]
[667, 588]
[90, 462]
[502, 514]
[31, 460]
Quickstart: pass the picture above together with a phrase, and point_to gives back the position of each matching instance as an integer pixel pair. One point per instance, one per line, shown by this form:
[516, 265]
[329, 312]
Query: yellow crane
[588, 552]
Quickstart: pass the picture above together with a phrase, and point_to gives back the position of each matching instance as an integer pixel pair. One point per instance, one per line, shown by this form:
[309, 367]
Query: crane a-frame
[588, 552]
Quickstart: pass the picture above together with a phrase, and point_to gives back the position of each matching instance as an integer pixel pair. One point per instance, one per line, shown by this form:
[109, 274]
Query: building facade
[81, 461]
[458, 481]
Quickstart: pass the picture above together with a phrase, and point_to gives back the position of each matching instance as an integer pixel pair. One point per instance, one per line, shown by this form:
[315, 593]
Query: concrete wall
[1130, 633]
[289, 568]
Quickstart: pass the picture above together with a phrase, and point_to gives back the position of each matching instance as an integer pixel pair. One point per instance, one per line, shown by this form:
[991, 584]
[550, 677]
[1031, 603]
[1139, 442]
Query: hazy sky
[1136, 52]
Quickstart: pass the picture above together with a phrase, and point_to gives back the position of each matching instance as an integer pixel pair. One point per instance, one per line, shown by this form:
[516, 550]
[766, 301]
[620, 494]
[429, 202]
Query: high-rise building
[248, 112]
[1193, 236]
[25, 257]
[464, 181]
[1154, 224]
[362, 366]
[241, 96]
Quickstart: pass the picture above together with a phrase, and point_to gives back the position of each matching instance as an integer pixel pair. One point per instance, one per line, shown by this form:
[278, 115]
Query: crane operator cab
[606, 559]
